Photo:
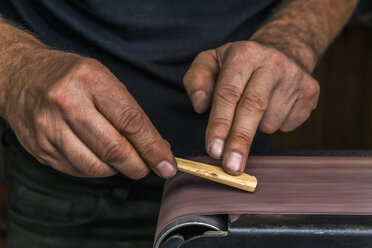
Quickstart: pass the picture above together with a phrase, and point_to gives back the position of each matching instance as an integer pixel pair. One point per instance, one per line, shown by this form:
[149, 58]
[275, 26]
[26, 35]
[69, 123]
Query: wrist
[15, 46]
[28, 74]
[289, 40]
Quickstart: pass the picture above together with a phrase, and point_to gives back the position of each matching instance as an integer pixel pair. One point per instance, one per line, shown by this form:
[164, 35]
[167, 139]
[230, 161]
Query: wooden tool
[244, 181]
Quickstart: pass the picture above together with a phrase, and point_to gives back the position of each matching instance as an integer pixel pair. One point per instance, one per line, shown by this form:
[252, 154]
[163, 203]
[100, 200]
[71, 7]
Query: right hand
[73, 114]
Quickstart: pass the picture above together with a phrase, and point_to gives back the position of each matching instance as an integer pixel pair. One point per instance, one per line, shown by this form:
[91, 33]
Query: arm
[264, 83]
[72, 113]
[303, 29]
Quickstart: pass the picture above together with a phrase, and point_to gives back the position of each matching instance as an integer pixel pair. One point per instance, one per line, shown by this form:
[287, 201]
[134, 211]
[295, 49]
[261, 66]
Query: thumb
[199, 80]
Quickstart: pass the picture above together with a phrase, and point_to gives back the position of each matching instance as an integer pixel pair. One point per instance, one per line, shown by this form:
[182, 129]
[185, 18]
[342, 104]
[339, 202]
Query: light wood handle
[244, 181]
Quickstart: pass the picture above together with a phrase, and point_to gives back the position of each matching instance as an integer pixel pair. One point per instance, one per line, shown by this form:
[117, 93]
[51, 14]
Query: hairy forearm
[304, 28]
[15, 44]
[22, 56]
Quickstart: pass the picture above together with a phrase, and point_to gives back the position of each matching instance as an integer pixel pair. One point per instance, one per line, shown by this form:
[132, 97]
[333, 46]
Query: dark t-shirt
[149, 46]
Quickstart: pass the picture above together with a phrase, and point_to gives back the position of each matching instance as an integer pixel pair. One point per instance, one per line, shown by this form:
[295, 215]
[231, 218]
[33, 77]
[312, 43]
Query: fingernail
[198, 100]
[216, 148]
[165, 169]
[234, 162]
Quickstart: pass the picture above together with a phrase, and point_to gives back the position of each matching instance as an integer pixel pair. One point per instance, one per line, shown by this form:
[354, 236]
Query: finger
[120, 108]
[299, 114]
[106, 142]
[200, 79]
[280, 104]
[46, 153]
[248, 115]
[60, 163]
[231, 82]
[306, 102]
[77, 154]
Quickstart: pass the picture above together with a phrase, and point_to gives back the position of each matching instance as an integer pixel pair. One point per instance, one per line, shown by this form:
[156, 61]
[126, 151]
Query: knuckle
[229, 93]
[277, 60]
[296, 73]
[244, 49]
[151, 147]
[131, 121]
[243, 137]
[243, 45]
[57, 95]
[63, 91]
[310, 91]
[253, 103]
[235, 72]
[114, 152]
[62, 96]
[95, 169]
[89, 72]
[87, 67]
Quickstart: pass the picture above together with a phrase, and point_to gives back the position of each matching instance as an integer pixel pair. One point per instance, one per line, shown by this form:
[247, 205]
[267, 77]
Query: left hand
[249, 86]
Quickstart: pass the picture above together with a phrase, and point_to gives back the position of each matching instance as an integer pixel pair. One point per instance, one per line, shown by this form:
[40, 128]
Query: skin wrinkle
[39, 82]
[300, 29]
[283, 95]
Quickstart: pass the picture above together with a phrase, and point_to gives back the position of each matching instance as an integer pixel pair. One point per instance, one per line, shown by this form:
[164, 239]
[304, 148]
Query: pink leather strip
[286, 185]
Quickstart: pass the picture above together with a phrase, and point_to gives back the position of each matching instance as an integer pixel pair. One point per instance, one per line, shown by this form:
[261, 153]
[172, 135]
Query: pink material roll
[286, 185]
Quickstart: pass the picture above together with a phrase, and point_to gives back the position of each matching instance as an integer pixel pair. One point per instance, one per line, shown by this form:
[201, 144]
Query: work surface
[286, 185]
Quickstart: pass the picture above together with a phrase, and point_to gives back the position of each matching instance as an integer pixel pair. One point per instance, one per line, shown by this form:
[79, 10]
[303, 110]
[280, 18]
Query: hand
[249, 86]
[72, 113]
